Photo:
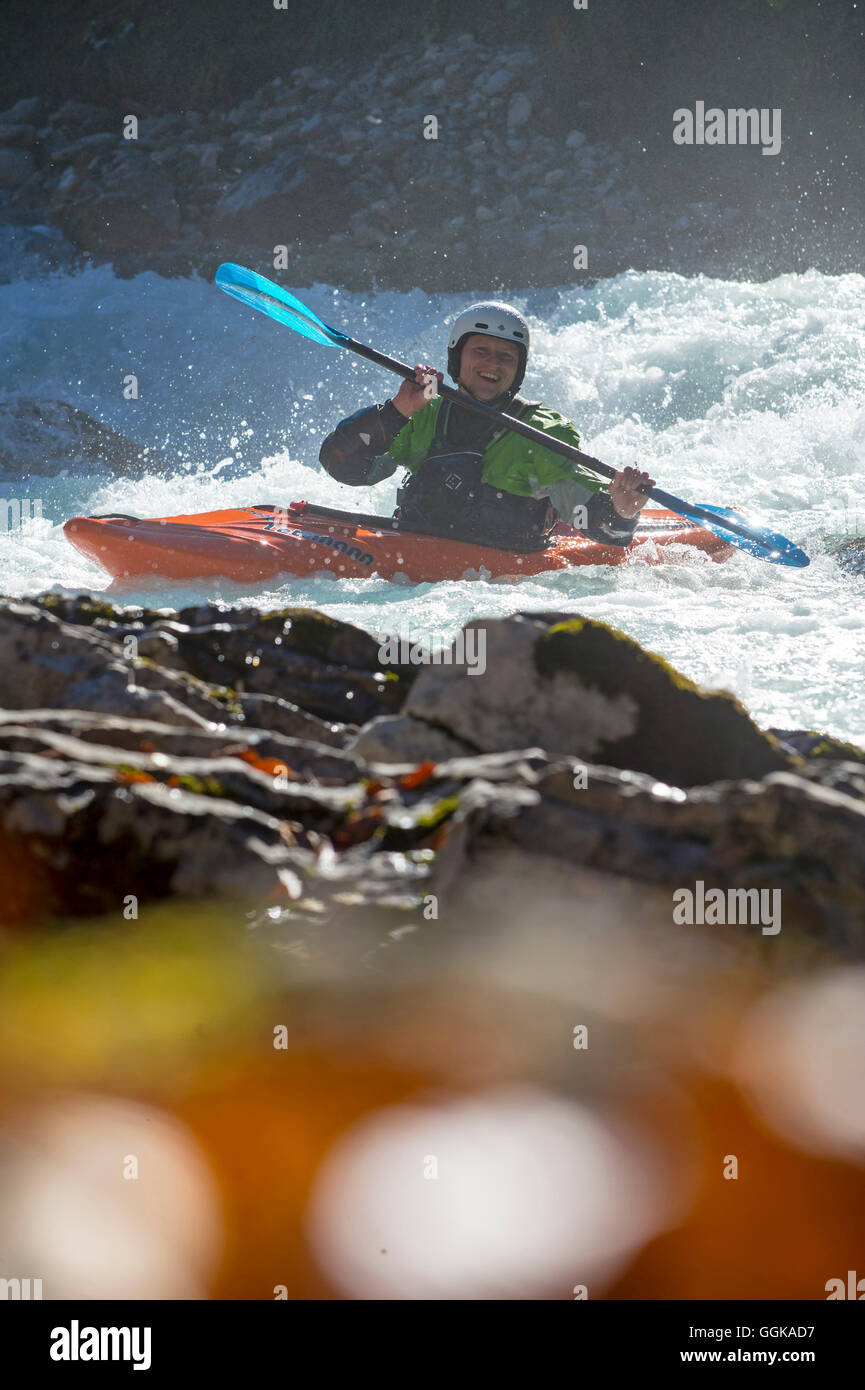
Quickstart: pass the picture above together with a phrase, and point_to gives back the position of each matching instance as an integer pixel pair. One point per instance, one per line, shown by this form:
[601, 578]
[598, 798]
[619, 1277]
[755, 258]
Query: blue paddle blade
[767, 545]
[277, 303]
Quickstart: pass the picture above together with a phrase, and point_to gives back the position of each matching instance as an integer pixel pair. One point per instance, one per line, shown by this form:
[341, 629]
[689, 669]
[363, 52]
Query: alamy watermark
[77, 1343]
[744, 907]
[736, 126]
[468, 648]
[14, 511]
[20, 1289]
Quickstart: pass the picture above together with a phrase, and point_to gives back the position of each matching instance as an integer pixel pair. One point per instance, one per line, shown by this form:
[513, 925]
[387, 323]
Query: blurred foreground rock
[130, 774]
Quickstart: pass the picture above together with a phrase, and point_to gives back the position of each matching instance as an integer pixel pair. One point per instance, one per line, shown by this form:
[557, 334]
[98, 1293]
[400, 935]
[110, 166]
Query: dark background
[635, 61]
[616, 72]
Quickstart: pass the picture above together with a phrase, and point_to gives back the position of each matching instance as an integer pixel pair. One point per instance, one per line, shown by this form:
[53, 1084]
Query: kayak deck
[252, 544]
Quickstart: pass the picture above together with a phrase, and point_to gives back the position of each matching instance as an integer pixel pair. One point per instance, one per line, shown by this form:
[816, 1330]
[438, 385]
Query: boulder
[26, 110]
[212, 657]
[134, 210]
[45, 662]
[22, 136]
[280, 716]
[519, 110]
[44, 437]
[497, 82]
[576, 686]
[398, 738]
[152, 840]
[805, 743]
[288, 195]
[851, 556]
[16, 166]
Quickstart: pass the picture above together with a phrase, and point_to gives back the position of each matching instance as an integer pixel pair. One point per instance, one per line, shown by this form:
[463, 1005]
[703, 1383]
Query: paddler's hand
[414, 395]
[624, 494]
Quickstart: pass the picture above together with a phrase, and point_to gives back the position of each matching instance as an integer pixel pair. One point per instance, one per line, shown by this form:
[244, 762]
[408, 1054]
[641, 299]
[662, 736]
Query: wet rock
[287, 195]
[28, 729]
[137, 211]
[498, 82]
[281, 716]
[26, 110]
[23, 136]
[621, 768]
[400, 739]
[45, 662]
[847, 776]
[851, 556]
[328, 668]
[780, 832]
[213, 657]
[16, 166]
[579, 687]
[519, 110]
[806, 743]
[153, 840]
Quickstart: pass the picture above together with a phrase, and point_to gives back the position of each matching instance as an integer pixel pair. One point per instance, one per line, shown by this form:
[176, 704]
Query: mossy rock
[683, 734]
[328, 639]
[83, 610]
[318, 635]
[810, 744]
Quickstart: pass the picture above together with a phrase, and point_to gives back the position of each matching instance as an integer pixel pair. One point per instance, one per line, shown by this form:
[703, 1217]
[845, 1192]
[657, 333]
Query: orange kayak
[252, 544]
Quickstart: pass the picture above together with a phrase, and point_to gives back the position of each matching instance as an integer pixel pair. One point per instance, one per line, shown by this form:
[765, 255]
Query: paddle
[280, 304]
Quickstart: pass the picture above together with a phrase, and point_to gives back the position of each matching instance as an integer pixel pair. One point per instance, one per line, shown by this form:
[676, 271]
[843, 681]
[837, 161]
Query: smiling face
[488, 366]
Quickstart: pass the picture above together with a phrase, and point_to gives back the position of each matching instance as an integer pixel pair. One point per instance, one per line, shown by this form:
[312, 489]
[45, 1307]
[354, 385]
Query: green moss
[201, 786]
[601, 648]
[185, 781]
[311, 633]
[222, 694]
[682, 734]
[434, 816]
[100, 609]
[83, 610]
[833, 749]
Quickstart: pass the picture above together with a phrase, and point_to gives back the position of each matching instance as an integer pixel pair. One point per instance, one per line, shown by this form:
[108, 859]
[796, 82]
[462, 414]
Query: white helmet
[496, 321]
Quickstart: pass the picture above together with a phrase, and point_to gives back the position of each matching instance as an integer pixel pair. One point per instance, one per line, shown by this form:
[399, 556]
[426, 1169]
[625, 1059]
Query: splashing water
[729, 392]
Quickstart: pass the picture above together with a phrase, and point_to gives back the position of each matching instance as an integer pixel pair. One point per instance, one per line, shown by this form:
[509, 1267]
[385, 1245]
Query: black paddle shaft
[556, 446]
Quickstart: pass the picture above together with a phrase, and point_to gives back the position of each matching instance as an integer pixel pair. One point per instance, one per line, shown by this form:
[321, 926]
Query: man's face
[488, 366]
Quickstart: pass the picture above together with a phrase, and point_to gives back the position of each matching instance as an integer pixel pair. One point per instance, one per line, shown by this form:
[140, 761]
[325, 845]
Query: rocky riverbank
[273, 759]
[446, 168]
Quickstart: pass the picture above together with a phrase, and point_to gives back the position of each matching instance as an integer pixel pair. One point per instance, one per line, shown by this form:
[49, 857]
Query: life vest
[447, 496]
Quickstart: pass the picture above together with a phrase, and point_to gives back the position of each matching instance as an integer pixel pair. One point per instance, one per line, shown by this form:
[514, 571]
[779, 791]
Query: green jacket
[511, 463]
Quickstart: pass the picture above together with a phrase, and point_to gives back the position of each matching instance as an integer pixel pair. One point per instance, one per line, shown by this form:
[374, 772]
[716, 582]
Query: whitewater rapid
[728, 392]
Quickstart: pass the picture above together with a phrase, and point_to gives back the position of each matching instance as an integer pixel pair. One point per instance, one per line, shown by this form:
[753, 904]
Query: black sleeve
[605, 524]
[597, 519]
[356, 451]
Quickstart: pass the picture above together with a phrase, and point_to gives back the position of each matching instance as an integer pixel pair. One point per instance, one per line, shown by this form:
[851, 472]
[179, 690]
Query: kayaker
[467, 478]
